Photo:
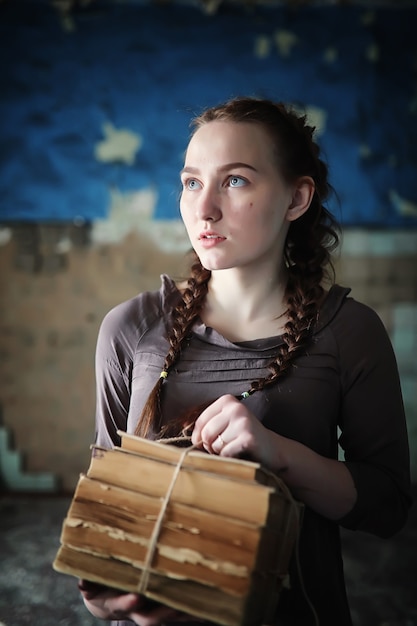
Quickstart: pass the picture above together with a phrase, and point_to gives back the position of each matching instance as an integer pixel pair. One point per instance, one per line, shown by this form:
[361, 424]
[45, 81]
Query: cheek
[265, 226]
[184, 212]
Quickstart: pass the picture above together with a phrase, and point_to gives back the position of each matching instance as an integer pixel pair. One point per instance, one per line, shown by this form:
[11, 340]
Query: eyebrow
[227, 166]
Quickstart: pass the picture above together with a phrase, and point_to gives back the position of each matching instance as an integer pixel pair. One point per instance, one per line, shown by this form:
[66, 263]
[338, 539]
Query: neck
[244, 308]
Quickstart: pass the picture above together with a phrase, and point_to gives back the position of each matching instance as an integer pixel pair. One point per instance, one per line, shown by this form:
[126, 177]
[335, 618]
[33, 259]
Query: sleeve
[373, 424]
[116, 342]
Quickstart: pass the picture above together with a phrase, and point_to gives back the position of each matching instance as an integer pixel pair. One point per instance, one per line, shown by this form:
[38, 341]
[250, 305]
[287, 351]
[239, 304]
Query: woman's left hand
[228, 428]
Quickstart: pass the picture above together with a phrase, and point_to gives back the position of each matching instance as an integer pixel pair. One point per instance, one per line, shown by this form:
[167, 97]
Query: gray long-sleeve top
[345, 390]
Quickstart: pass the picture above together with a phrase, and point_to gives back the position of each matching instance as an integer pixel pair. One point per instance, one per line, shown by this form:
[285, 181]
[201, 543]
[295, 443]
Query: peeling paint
[372, 53]
[127, 212]
[68, 24]
[316, 116]
[133, 212]
[365, 151]
[262, 47]
[64, 7]
[392, 160]
[167, 235]
[5, 236]
[285, 40]
[403, 206]
[63, 246]
[368, 18]
[282, 53]
[119, 145]
[331, 55]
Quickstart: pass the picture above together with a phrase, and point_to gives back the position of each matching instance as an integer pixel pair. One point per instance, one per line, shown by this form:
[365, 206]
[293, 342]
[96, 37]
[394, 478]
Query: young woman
[276, 359]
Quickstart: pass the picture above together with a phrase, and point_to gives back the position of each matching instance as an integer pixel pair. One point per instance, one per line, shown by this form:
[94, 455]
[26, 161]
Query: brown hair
[309, 243]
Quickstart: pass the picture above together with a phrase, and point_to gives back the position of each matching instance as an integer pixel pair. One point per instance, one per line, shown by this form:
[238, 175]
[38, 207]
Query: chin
[213, 264]
[216, 267]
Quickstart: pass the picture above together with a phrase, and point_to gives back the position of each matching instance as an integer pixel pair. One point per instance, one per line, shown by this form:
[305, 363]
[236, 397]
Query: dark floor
[381, 574]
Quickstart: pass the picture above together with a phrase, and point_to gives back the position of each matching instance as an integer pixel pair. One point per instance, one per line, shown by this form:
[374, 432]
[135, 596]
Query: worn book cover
[209, 536]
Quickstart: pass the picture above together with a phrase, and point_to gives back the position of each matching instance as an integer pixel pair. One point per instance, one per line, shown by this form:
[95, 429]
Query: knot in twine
[144, 579]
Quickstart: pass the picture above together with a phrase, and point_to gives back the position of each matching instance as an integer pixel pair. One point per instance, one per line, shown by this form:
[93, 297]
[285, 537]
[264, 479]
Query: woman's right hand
[113, 604]
[107, 603]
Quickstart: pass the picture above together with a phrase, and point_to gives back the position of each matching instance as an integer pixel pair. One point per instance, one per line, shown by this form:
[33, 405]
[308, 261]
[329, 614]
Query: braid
[186, 312]
[307, 252]
[310, 241]
[184, 315]
[302, 312]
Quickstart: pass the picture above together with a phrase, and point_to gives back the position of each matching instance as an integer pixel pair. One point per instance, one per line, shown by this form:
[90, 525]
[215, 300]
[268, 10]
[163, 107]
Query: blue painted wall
[148, 69]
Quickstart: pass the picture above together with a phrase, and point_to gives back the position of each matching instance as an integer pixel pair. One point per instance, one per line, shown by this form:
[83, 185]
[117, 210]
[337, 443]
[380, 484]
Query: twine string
[144, 579]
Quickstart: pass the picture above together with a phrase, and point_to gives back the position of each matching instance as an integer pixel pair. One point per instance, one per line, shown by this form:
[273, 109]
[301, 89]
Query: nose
[208, 205]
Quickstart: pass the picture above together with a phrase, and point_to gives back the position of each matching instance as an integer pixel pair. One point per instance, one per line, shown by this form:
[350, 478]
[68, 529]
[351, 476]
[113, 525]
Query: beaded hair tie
[245, 394]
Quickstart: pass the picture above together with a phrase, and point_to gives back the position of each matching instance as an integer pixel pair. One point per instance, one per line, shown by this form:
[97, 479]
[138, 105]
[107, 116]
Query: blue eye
[236, 181]
[191, 184]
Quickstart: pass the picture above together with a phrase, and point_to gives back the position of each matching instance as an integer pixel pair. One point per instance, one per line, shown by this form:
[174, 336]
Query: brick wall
[55, 288]
[52, 303]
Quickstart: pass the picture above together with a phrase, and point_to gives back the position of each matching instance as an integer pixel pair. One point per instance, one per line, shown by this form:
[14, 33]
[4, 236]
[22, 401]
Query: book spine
[179, 562]
[248, 501]
[201, 601]
[234, 468]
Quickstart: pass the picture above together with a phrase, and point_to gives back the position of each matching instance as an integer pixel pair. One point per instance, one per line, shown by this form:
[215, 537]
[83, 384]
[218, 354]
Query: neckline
[329, 308]
[211, 335]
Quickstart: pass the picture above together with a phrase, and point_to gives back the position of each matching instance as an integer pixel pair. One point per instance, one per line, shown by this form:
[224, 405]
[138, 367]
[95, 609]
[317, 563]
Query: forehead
[235, 141]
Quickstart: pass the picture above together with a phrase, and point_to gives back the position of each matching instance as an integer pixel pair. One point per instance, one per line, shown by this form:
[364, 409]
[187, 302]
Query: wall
[48, 330]
[96, 104]
[50, 322]
[94, 116]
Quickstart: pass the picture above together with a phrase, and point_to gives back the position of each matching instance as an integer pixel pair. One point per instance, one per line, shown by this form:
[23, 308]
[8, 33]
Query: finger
[122, 605]
[212, 421]
[204, 418]
[218, 444]
[213, 440]
[90, 589]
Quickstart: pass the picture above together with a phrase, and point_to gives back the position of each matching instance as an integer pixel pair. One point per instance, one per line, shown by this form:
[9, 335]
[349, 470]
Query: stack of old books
[203, 534]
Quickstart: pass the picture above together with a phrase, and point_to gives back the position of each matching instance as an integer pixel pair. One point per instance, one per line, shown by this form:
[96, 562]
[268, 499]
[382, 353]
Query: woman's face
[234, 201]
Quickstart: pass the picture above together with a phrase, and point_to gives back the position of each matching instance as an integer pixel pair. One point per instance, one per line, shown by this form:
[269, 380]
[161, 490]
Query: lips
[210, 235]
[210, 239]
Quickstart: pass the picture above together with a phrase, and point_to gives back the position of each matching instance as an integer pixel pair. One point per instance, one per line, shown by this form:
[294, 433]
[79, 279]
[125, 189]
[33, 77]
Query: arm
[371, 489]
[373, 424]
[113, 364]
[325, 485]
[116, 340]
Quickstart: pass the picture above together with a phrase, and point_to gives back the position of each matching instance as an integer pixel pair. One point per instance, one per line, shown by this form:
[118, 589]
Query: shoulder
[144, 309]
[342, 311]
[356, 328]
[123, 326]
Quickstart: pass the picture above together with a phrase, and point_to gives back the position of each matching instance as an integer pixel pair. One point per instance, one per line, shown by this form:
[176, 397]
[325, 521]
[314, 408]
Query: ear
[302, 197]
